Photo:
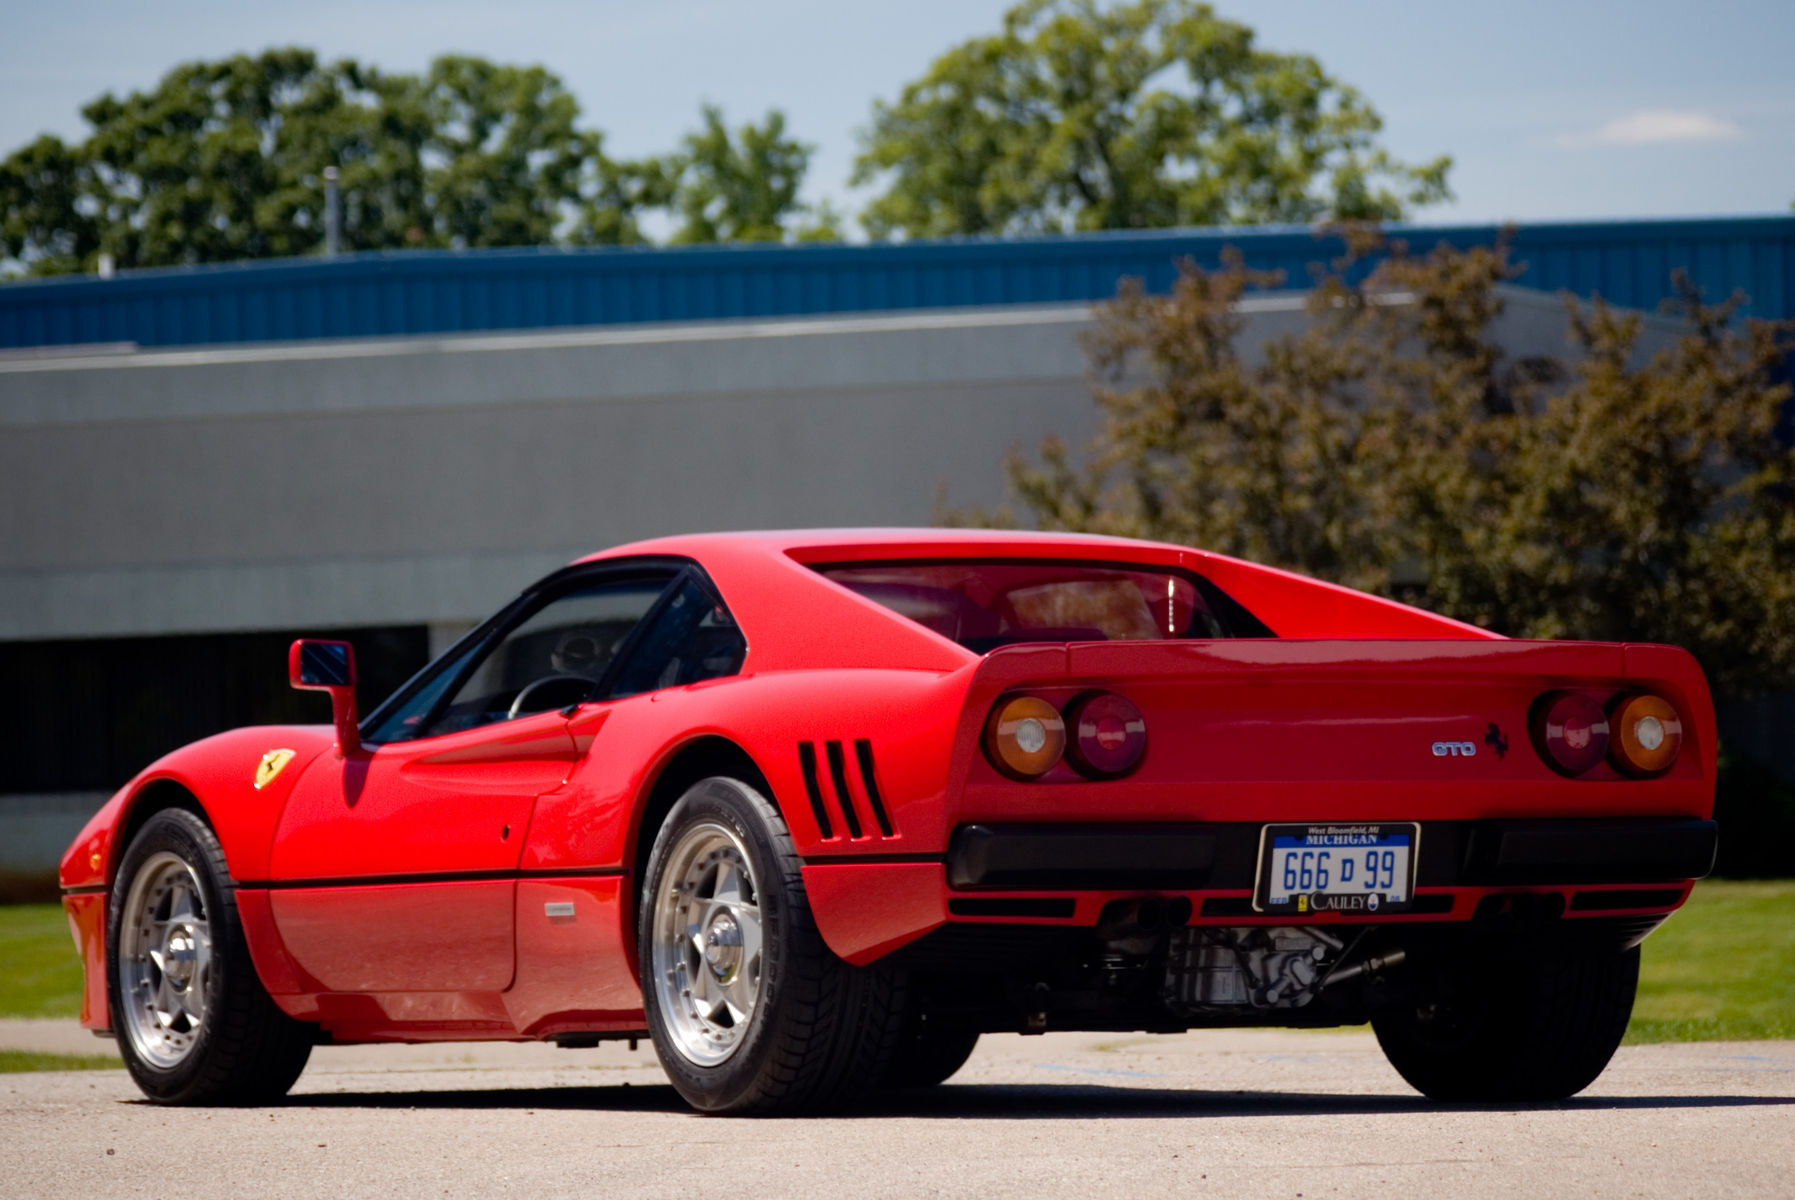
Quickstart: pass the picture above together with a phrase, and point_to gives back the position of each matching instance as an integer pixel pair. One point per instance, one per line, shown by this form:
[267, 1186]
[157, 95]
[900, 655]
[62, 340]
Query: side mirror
[320, 666]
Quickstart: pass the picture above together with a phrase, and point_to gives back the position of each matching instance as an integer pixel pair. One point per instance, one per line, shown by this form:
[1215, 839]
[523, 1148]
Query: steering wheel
[551, 691]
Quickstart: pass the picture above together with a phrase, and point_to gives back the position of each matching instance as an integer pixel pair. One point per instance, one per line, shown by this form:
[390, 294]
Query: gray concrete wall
[423, 480]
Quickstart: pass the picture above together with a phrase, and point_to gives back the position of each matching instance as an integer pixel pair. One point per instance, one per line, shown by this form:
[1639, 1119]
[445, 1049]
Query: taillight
[1109, 735]
[1647, 734]
[1571, 730]
[1025, 737]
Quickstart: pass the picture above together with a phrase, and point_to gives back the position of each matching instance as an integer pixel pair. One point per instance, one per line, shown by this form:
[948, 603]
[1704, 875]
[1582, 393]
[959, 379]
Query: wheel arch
[145, 802]
[700, 758]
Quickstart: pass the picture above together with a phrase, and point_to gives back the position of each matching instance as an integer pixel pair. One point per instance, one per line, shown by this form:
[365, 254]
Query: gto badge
[1455, 749]
[272, 764]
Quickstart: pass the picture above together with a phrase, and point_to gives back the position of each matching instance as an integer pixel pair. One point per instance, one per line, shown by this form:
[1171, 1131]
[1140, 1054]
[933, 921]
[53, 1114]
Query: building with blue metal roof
[1629, 263]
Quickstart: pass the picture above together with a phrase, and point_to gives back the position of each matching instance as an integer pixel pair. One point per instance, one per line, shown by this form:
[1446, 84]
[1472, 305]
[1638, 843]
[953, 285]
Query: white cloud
[1651, 126]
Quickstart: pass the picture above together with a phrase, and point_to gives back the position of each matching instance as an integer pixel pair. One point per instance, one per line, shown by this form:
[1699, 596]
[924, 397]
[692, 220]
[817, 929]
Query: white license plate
[1363, 868]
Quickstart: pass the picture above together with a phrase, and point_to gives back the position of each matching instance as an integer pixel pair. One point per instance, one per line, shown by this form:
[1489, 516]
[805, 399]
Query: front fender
[219, 772]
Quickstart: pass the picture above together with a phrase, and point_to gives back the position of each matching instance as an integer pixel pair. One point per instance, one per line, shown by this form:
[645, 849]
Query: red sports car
[815, 810]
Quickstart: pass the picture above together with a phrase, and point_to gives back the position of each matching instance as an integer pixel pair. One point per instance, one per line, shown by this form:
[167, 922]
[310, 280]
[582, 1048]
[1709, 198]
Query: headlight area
[1100, 735]
[1638, 734]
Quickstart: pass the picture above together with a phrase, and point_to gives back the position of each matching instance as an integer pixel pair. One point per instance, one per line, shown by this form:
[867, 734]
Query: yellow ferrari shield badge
[272, 764]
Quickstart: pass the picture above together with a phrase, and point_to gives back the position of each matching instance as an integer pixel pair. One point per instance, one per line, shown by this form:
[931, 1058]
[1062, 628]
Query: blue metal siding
[423, 292]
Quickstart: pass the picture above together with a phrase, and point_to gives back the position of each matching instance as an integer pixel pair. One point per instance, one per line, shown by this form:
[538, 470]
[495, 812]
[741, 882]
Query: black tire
[928, 1056]
[819, 1031]
[242, 1049]
[1526, 1027]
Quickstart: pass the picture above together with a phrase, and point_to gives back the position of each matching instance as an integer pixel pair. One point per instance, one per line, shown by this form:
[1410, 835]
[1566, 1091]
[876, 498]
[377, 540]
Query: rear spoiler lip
[1381, 657]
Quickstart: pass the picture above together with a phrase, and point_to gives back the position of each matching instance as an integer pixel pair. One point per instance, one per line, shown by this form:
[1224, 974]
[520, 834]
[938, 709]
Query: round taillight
[1109, 735]
[1647, 734]
[1573, 733]
[1025, 737]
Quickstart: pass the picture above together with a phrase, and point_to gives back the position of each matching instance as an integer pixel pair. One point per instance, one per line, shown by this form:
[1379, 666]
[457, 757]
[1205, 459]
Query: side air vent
[807, 761]
[869, 778]
[838, 771]
[842, 791]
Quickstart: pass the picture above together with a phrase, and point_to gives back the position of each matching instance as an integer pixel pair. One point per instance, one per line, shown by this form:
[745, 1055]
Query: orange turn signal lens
[1025, 737]
[1647, 735]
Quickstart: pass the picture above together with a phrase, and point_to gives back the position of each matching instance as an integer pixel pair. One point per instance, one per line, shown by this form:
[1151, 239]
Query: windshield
[986, 604]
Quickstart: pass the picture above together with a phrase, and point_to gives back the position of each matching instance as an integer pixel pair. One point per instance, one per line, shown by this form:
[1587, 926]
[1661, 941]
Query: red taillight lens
[1572, 732]
[1109, 735]
[1024, 737]
[1647, 734]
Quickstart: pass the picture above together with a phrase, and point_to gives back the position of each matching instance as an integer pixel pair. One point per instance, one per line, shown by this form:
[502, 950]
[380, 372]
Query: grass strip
[1722, 968]
[14, 1061]
[42, 977]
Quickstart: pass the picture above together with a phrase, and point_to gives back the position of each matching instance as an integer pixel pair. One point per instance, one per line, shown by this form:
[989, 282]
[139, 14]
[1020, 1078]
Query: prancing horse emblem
[272, 764]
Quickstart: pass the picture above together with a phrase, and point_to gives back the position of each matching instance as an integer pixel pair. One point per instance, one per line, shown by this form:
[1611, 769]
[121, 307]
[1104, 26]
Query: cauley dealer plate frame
[1348, 901]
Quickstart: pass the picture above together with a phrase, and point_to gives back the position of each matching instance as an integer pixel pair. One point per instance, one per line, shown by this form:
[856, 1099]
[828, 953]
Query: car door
[395, 869]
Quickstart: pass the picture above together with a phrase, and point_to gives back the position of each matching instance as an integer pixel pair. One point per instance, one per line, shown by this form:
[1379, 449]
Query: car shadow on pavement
[1014, 1101]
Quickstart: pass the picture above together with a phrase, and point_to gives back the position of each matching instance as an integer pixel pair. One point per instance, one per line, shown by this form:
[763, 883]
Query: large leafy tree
[740, 186]
[1153, 113]
[225, 160]
[1394, 446]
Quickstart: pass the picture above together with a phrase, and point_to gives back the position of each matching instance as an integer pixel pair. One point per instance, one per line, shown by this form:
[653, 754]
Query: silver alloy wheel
[706, 950]
[164, 960]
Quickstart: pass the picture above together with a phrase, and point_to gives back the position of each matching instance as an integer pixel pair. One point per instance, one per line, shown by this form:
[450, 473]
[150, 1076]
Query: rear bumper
[1044, 874]
[1225, 855]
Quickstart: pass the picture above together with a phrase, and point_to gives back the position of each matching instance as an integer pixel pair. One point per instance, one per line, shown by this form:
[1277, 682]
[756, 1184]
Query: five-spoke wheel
[165, 959]
[707, 947]
[749, 1010]
[194, 1024]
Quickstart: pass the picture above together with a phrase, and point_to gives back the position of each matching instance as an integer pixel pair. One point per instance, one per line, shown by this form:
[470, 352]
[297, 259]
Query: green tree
[740, 187]
[224, 160]
[1394, 446]
[42, 217]
[1146, 114]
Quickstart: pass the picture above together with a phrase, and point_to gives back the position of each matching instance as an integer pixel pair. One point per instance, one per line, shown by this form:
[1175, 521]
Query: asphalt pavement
[1222, 1114]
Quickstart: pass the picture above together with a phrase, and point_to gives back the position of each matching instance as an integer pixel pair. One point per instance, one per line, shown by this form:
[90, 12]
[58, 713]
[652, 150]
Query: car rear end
[1159, 832]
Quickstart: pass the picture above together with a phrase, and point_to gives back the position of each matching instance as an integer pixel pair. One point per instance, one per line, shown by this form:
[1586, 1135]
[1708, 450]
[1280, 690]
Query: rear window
[986, 604]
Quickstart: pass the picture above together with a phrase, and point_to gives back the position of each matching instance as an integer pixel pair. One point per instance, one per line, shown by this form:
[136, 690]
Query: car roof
[796, 618]
[811, 545]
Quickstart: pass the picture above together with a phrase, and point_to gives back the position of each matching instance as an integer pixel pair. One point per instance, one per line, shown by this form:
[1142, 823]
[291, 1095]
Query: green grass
[42, 976]
[13, 1061]
[1723, 968]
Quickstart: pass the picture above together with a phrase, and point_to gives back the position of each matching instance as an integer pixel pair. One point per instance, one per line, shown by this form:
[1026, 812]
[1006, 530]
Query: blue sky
[1573, 109]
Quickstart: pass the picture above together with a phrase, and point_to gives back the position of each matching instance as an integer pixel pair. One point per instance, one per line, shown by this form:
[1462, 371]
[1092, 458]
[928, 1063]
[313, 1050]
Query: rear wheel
[927, 1056]
[749, 1010]
[1510, 1027]
[193, 1022]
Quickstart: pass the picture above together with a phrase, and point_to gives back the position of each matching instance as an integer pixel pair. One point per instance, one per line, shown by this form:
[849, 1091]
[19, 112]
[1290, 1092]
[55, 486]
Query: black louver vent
[842, 790]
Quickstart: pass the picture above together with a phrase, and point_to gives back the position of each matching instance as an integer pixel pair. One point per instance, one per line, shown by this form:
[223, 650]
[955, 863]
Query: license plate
[1366, 868]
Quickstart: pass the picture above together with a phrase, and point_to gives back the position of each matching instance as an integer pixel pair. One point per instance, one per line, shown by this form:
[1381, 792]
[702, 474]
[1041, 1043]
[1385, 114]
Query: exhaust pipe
[1135, 925]
[1367, 966]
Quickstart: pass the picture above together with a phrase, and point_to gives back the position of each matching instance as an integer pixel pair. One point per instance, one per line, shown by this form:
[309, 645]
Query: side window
[404, 722]
[692, 638]
[555, 657]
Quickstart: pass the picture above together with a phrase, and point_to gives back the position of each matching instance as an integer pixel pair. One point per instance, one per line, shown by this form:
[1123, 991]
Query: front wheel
[1533, 1026]
[749, 1010]
[193, 1022]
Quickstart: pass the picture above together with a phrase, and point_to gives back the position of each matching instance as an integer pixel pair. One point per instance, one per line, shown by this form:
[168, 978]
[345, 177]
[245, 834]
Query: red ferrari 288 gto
[816, 810]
